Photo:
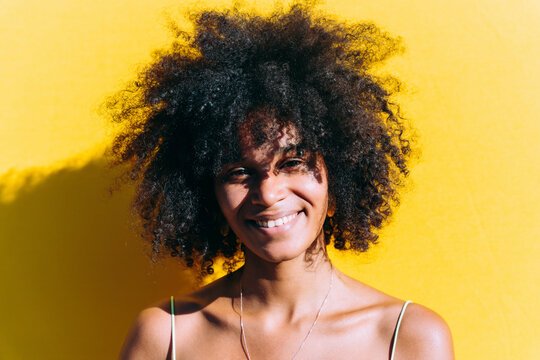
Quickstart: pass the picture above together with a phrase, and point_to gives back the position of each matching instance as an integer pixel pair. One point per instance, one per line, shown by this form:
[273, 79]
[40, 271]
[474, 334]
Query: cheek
[230, 197]
[316, 193]
[316, 188]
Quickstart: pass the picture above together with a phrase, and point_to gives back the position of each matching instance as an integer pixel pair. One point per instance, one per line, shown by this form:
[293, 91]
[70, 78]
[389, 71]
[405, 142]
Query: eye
[292, 164]
[236, 174]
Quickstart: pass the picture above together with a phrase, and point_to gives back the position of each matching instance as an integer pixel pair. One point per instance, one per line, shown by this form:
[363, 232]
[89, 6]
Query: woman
[265, 139]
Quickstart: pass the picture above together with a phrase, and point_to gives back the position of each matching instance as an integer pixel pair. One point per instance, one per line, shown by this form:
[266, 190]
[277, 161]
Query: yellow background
[464, 241]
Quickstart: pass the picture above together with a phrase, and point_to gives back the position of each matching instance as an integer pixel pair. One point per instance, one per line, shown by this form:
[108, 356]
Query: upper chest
[358, 336]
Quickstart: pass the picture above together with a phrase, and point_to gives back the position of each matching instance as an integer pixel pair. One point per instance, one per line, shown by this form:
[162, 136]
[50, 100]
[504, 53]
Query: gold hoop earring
[224, 230]
[331, 207]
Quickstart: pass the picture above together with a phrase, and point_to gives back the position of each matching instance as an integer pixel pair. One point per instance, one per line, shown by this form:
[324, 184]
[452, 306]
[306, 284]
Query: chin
[276, 253]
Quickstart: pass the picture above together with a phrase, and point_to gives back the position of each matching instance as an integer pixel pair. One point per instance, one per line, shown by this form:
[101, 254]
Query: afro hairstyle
[180, 118]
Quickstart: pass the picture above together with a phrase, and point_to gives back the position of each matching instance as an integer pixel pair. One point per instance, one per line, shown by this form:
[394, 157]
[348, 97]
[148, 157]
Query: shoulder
[423, 334]
[149, 336]
[150, 333]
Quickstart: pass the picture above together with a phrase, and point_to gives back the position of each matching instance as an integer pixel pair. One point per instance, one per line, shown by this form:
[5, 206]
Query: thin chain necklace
[243, 331]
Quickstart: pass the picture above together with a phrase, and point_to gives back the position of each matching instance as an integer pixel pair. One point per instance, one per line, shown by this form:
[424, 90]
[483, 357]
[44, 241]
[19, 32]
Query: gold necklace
[243, 331]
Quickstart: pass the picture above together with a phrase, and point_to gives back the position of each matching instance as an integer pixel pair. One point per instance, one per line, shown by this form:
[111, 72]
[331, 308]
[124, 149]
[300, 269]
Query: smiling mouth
[275, 222]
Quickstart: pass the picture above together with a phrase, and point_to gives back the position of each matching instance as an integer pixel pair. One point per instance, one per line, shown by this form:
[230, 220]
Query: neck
[285, 286]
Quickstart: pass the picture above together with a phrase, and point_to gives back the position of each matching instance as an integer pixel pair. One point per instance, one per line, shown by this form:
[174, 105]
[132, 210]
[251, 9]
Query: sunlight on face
[275, 198]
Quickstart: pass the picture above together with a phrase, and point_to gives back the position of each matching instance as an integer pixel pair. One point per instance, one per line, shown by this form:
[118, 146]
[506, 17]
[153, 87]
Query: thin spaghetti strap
[394, 338]
[173, 337]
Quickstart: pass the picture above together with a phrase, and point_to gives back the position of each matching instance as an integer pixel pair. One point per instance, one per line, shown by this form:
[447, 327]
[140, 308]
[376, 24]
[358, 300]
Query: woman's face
[273, 201]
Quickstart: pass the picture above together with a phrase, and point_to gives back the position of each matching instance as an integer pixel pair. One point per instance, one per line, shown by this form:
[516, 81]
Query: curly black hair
[182, 114]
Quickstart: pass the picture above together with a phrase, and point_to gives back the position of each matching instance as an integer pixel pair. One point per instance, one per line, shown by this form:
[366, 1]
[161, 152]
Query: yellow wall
[464, 241]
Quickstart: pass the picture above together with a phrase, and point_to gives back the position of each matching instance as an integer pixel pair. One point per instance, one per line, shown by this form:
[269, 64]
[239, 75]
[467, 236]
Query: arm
[149, 337]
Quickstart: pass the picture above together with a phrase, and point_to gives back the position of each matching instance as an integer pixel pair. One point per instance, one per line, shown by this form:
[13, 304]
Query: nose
[268, 190]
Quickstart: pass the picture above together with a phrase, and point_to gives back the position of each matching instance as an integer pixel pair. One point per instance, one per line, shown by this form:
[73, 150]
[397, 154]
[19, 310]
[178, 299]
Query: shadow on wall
[74, 272]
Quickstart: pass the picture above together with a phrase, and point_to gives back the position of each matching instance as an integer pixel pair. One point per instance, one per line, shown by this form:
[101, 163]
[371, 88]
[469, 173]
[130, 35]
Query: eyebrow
[297, 148]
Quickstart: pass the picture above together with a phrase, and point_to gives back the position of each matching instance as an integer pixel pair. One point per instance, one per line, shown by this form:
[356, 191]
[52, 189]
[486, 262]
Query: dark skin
[282, 291]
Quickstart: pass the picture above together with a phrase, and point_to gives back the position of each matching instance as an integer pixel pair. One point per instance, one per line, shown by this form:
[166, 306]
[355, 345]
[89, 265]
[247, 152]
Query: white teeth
[275, 222]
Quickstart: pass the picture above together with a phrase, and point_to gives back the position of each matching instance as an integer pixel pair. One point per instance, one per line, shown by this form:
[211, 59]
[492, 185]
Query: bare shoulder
[149, 336]
[423, 334]
[150, 333]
